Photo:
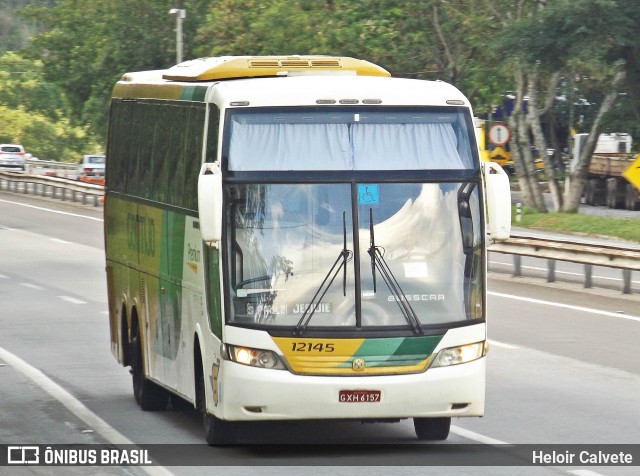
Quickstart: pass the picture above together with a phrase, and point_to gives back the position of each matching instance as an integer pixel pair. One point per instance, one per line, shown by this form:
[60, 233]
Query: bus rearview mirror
[498, 193]
[210, 202]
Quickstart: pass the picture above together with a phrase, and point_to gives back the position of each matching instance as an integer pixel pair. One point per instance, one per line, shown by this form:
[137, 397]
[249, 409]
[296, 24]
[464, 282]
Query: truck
[605, 184]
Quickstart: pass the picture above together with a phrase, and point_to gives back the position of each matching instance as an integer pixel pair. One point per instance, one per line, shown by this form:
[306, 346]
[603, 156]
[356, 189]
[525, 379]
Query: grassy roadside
[622, 228]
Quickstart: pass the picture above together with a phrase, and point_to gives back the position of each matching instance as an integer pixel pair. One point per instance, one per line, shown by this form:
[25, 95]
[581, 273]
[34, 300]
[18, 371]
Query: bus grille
[361, 356]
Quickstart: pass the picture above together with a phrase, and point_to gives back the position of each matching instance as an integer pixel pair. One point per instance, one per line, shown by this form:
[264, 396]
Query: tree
[87, 46]
[34, 112]
[568, 36]
[426, 39]
[22, 86]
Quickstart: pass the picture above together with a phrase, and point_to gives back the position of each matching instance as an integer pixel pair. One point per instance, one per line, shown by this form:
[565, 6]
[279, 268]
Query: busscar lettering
[417, 297]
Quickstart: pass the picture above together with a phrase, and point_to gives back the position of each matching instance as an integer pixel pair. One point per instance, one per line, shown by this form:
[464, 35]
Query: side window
[146, 136]
[193, 157]
[155, 150]
[118, 146]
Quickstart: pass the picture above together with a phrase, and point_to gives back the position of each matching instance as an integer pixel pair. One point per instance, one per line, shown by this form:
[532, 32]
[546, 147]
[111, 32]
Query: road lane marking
[486, 440]
[52, 210]
[72, 300]
[565, 306]
[32, 286]
[75, 406]
[473, 436]
[58, 240]
[502, 344]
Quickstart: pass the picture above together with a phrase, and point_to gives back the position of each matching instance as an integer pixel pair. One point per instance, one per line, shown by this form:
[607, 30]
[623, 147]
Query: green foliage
[87, 46]
[34, 112]
[22, 86]
[84, 47]
[44, 138]
[420, 39]
[622, 228]
[14, 33]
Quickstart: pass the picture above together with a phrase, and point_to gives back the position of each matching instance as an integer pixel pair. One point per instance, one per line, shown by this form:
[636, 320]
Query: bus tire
[432, 428]
[148, 395]
[218, 432]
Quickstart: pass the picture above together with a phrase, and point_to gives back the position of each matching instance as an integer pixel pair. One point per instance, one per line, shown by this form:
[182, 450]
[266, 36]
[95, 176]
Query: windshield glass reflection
[291, 254]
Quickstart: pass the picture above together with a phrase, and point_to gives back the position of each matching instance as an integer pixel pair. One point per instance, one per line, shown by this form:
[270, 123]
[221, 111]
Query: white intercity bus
[299, 238]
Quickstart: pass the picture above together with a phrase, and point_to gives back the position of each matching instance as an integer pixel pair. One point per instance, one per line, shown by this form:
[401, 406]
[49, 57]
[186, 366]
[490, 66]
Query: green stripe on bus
[193, 93]
[398, 351]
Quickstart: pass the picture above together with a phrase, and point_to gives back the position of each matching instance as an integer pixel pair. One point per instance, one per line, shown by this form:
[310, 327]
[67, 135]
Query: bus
[299, 238]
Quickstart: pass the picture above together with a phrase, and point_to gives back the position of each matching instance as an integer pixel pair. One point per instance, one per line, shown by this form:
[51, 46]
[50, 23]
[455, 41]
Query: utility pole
[180, 14]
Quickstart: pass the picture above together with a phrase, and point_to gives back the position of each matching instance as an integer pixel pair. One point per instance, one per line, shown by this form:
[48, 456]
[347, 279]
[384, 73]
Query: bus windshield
[278, 139]
[353, 253]
[412, 260]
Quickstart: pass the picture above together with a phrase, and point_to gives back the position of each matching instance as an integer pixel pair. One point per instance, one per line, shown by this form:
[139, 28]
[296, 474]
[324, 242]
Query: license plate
[359, 396]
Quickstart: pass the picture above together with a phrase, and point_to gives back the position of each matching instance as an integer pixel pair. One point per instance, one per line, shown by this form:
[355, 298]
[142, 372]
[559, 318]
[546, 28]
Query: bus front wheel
[218, 432]
[432, 428]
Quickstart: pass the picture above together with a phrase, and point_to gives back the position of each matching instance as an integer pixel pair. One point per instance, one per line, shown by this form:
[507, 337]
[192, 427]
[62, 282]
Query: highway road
[563, 368]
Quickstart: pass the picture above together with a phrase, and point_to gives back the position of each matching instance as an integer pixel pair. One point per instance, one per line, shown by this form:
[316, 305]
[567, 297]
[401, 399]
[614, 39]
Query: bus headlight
[265, 359]
[460, 355]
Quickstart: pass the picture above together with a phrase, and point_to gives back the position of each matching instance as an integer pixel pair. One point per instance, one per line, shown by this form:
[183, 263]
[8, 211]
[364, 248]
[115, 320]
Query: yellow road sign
[632, 173]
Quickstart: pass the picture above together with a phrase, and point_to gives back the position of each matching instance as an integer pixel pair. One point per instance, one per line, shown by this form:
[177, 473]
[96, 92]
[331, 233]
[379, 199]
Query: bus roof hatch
[228, 67]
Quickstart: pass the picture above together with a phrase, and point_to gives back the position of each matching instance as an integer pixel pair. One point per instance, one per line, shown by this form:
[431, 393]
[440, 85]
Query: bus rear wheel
[148, 395]
[432, 428]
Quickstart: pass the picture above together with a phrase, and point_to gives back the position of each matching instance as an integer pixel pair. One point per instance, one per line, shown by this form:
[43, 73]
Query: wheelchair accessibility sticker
[368, 194]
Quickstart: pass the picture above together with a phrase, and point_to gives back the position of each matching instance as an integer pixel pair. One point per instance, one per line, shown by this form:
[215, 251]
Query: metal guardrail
[553, 250]
[588, 254]
[52, 168]
[53, 187]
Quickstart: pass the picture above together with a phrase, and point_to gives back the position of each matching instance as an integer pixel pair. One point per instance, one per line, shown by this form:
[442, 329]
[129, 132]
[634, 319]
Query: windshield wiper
[378, 262]
[340, 263]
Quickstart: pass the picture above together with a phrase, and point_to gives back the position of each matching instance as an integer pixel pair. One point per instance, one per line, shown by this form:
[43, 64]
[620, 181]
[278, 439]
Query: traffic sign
[632, 173]
[499, 134]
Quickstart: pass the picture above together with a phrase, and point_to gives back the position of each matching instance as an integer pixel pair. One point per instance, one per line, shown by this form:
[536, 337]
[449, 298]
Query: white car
[12, 155]
[92, 166]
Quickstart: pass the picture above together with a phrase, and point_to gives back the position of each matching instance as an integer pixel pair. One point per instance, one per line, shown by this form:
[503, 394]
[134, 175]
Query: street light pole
[180, 14]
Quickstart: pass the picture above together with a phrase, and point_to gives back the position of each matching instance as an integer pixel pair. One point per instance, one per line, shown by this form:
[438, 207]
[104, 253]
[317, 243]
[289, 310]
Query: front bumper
[248, 393]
